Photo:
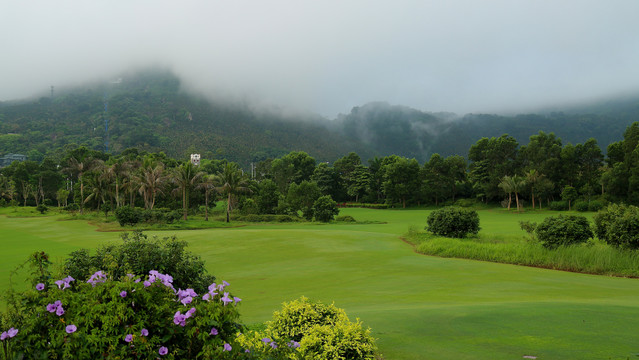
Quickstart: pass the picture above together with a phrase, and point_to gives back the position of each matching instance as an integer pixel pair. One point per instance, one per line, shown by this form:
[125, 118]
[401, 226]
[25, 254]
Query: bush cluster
[325, 209]
[126, 215]
[618, 225]
[562, 230]
[453, 222]
[266, 218]
[317, 331]
[136, 317]
[345, 218]
[558, 205]
[138, 255]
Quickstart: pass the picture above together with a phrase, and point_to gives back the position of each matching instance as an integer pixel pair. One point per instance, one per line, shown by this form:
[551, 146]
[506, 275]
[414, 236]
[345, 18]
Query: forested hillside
[150, 111]
[147, 110]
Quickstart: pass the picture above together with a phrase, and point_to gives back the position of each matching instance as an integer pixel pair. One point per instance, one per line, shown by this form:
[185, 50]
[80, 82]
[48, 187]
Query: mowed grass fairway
[419, 307]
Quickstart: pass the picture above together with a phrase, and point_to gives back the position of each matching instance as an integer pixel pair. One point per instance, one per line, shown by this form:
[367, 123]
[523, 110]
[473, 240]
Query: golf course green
[418, 307]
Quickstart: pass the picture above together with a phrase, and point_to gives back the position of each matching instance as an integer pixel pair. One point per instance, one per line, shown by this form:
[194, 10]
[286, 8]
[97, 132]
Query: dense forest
[544, 172]
[150, 111]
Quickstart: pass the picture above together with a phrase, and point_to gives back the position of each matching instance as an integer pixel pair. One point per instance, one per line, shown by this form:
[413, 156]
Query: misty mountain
[149, 110]
[409, 132]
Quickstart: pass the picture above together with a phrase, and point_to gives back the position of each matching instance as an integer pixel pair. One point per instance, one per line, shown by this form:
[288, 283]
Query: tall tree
[208, 185]
[231, 182]
[151, 182]
[185, 178]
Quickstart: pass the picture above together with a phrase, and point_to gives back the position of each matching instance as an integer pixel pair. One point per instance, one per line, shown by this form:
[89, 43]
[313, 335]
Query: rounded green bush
[453, 222]
[618, 225]
[325, 208]
[127, 215]
[581, 206]
[561, 230]
[345, 218]
[558, 205]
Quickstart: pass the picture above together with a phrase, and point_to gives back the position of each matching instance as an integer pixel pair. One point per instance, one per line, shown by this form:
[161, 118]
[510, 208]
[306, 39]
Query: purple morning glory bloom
[12, 332]
[186, 300]
[59, 283]
[97, 277]
[179, 319]
[273, 345]
[226, 299]
[206, 296]
[40, 287]
[266, 340]
[4, 336]
[59, 311]
[293, 344]
[123, 293]
[128, 338]
[144, 332]
[51, 308]
[237, 299]
[213, 331]
[147, 283]
[212, 287]
[163, 350]
[190, 312]
[70, 329]
[227, 347]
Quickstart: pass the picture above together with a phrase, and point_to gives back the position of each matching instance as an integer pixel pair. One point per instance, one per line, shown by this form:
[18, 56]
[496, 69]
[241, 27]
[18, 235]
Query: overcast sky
[330, 55]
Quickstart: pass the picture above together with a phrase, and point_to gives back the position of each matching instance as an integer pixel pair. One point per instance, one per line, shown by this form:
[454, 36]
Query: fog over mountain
[327, 57]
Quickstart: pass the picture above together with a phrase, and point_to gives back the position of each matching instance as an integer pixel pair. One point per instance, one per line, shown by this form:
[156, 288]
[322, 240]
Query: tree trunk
[228, 208]
[510, 200]
[517, 198]
[81, 195]
[206, 206]
[532, 194]
[184, 203]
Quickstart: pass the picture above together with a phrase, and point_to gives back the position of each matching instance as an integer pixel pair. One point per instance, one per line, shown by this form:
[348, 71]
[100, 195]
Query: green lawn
[419, 307]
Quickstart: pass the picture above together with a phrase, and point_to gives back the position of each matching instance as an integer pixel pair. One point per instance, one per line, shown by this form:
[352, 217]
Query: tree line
[496, 169]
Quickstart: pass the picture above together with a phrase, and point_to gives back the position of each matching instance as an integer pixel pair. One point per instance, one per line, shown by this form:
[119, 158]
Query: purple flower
[51, 308]
[70, 329]
[97, 277]
[293, 344]
[213, 331]
[227, 347]
[40, 287]
[59, 311]
[144, 332]
[179, 319]
[147, 283]
[59, 283]
[11, 332]
[128, 338]
[190, 312]
[226, 299]
[266, 340]
[4, 336]
[206, 296]
[273, 345]
[186, 300]
[237, 299]
[212, 287]
[163, 350]
[123, 293]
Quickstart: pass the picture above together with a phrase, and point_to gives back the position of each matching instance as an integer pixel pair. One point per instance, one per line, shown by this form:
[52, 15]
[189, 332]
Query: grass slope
[419, 307]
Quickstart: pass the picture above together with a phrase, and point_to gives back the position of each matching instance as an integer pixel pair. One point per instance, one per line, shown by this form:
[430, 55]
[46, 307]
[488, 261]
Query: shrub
[127, 215]
[316, 330]
[72, 207]
[42, 208]
[453, 222]
[138, 255]
[466, 202]
[558, 205]
[561, 230]
[581, 206]
[345, 218]
[325, 208]
[618, 225]
[595, 205]
[136, 317]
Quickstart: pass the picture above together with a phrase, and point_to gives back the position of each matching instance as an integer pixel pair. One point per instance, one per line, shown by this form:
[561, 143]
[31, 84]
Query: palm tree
[151, 180]
[117, 172]
[185, 178]
[98, 188]
[519, 183]
[532, 177]
[79, 167]
[208, 185]
[507, 185]
[231, 181]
